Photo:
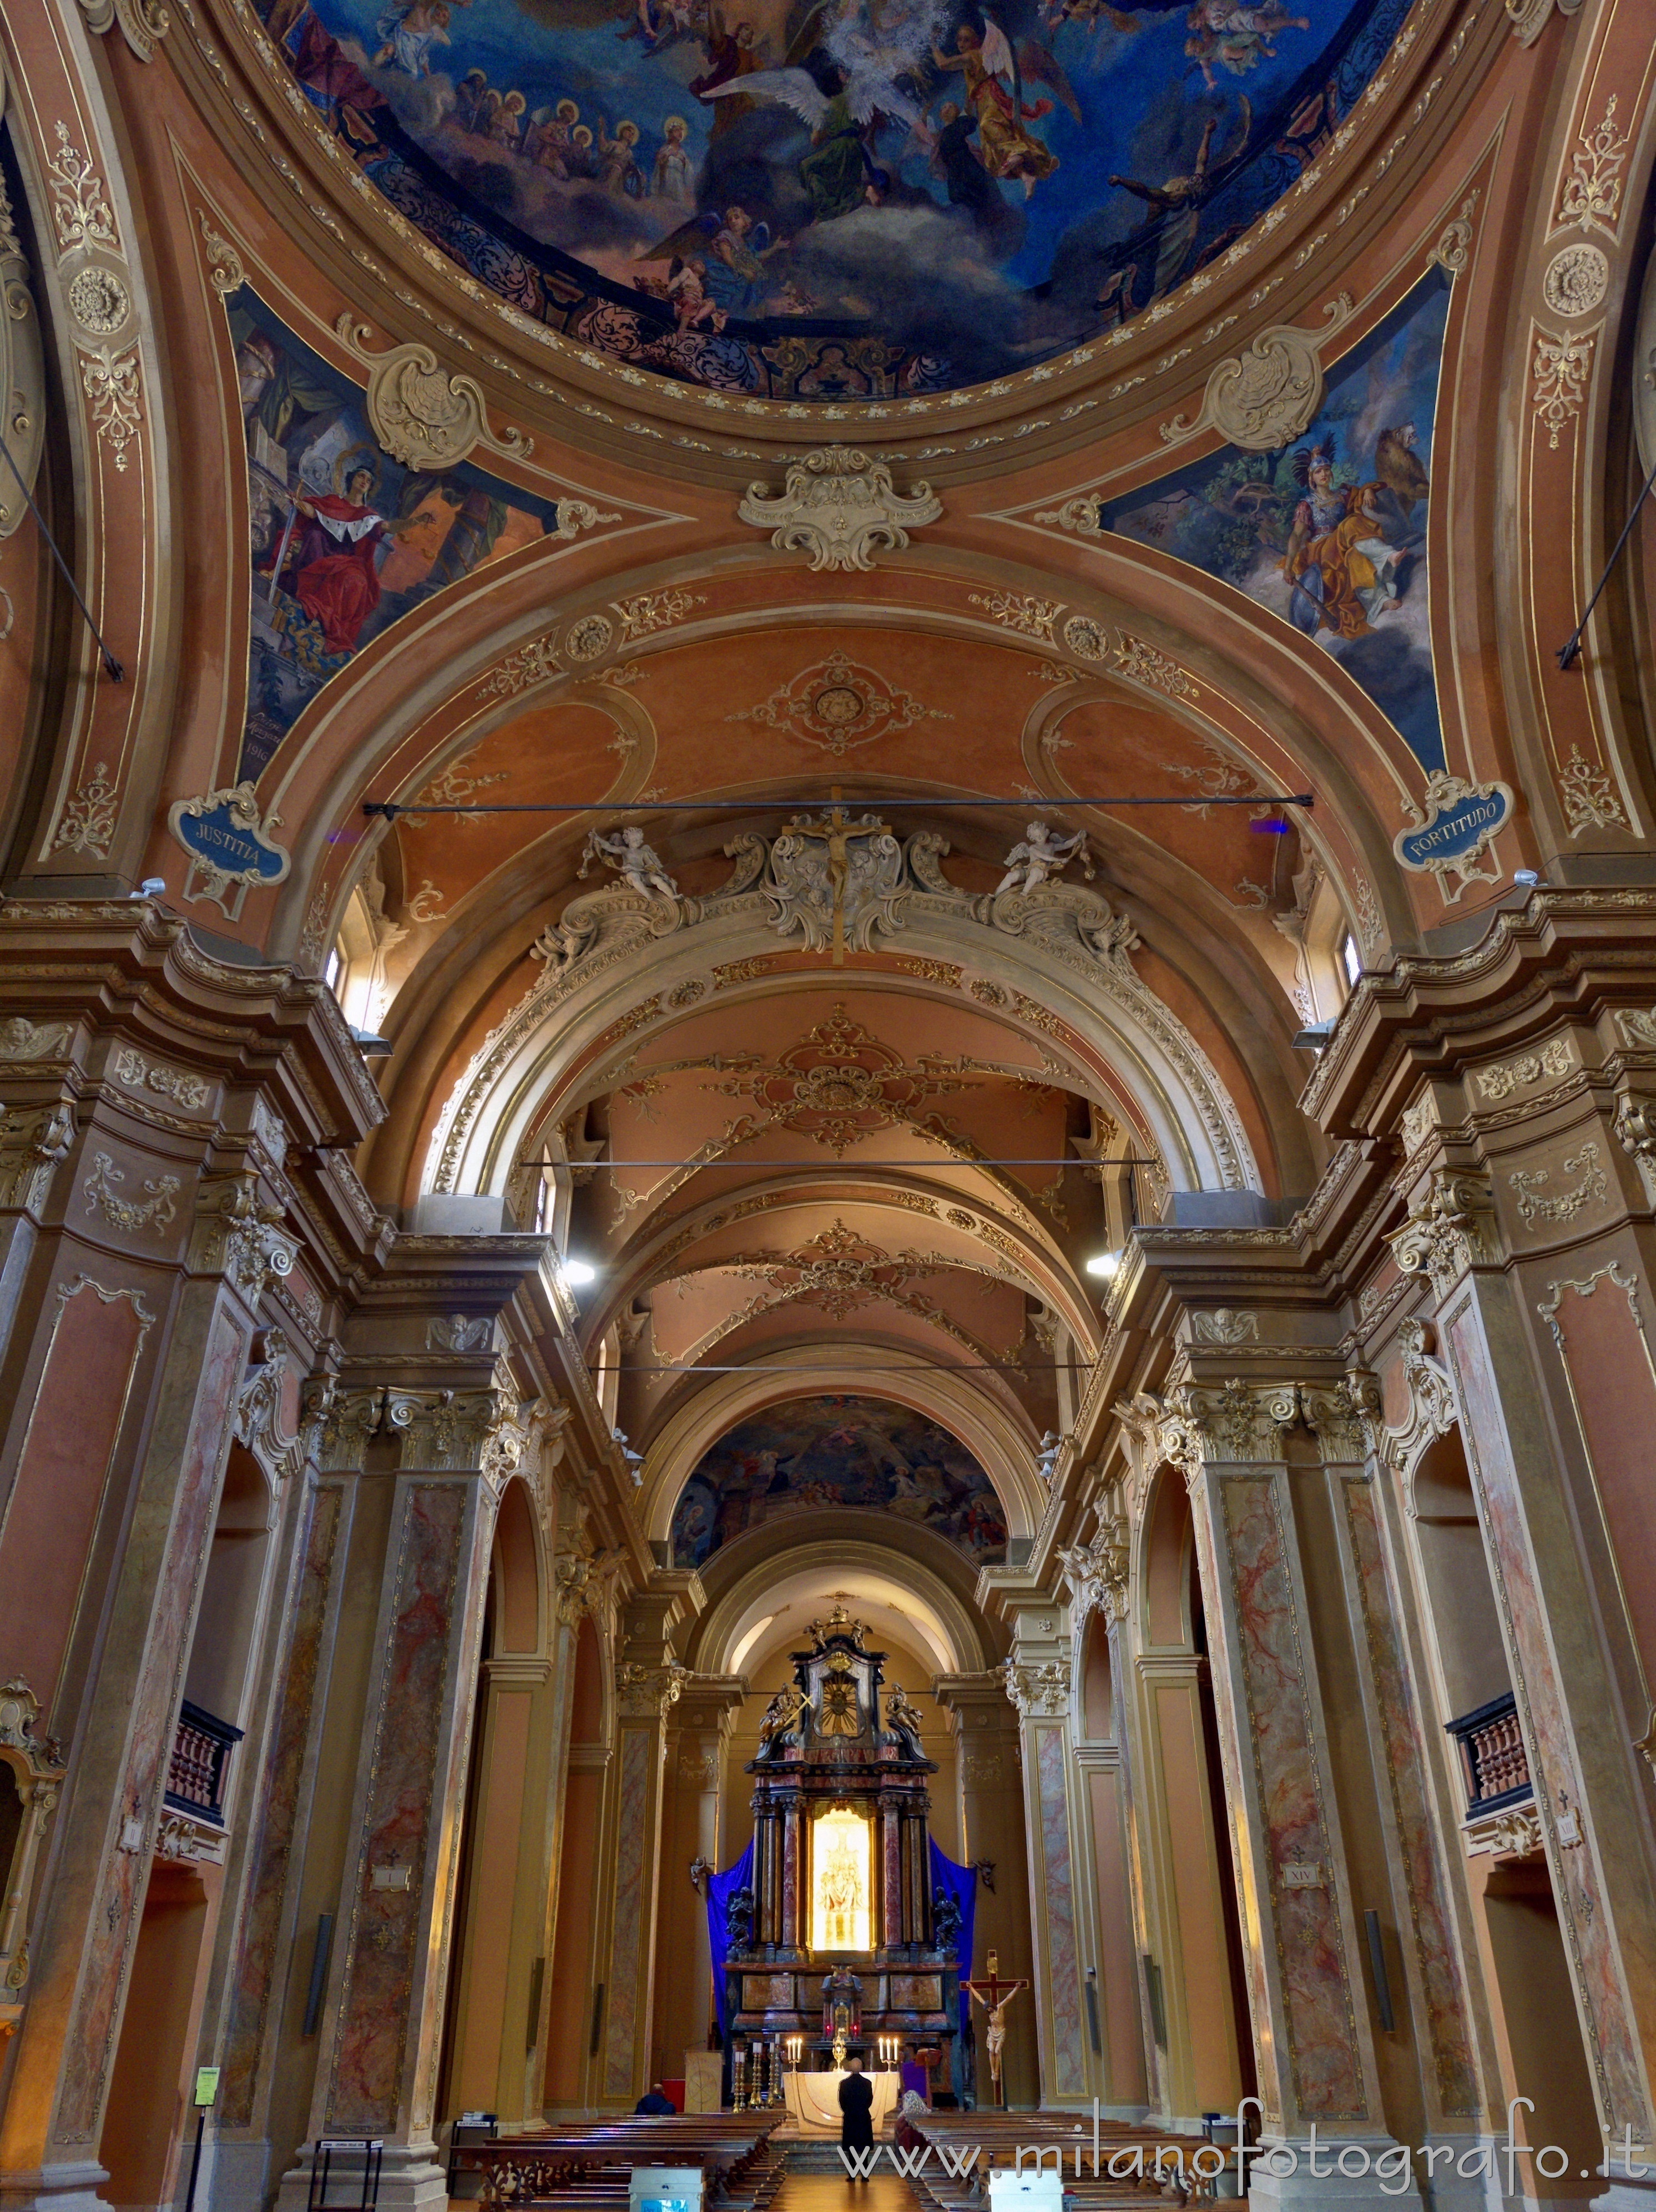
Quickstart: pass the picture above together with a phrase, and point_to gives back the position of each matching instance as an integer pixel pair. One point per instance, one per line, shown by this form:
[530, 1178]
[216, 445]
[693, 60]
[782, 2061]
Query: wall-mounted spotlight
[1104, 1263]
[576, 1273]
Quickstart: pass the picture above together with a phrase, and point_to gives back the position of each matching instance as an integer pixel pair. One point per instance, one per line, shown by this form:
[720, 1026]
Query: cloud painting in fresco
[833, 198]
[823, 1453]
[1330, 532]
[344, 539]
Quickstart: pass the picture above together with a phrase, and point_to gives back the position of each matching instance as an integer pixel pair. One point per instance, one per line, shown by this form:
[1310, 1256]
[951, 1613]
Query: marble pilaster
[1313, 2046]
[646, 1687]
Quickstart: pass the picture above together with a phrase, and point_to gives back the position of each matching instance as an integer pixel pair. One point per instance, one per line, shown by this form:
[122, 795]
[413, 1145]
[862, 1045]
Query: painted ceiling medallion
[840, 1083]
[865, 203]
[839, 705]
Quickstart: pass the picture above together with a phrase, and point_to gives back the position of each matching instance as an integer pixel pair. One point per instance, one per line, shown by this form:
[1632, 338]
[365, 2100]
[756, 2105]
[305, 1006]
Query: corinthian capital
[1037, 1687]
[1237, 1420]
[645, 1693]
[1097, 1572]
[1449, 1229]
[33, 1141]
[1345, 1416]
[237, 1234]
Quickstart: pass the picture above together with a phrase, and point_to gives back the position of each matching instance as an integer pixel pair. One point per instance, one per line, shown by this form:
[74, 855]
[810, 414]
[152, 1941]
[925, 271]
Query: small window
[1351, 960]
[335, 970]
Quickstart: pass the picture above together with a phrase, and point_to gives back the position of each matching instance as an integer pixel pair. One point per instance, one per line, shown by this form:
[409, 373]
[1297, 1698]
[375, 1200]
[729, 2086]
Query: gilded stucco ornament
[1636, 1133]
[1448, 1231]
[1453, 825]
[33, 1142]
[647, 1692]
[258, 1419]
[1344, 1417]
[238, 1234]
[142, 23]
[840, 507]
[1097, 1572]
[1431, 1406]
[229, 844]
[1576, 279]
[1261, 399]
[1039, 1688]
[421, 417]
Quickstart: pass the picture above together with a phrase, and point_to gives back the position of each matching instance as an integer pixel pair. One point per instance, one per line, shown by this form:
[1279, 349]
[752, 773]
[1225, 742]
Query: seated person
[657, 2104]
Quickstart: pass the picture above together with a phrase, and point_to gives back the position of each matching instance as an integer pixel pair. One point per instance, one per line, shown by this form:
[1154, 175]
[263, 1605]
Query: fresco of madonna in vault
[833, 199]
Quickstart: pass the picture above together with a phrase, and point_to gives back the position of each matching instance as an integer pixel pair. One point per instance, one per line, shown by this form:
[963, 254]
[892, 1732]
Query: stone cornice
[1567, 954]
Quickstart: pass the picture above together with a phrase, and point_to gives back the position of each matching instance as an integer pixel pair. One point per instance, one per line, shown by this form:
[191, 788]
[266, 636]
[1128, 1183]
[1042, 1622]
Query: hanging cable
[113, 667]
[393, 810]
[1570, 651]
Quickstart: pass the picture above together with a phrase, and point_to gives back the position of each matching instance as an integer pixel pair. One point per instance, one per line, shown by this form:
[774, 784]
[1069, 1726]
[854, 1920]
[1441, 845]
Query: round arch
[1002, 1448]
[928, 1576]
[1117, 1023]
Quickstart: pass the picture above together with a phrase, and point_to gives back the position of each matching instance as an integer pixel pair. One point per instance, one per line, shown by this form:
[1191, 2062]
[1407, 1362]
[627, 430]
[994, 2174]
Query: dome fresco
[819, 1454]
[833, 199]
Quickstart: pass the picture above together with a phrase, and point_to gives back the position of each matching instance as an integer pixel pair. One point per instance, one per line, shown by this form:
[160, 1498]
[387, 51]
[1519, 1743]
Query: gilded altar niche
[845, 1947]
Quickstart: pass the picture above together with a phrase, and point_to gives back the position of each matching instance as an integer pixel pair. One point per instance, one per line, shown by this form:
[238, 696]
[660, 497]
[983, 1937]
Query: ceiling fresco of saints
[823, 1453]
[1330, 532]
[813, 200]
[344, 539]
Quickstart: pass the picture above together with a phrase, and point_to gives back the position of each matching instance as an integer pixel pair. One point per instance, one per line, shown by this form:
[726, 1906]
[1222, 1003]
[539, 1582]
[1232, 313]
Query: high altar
[840, 1943]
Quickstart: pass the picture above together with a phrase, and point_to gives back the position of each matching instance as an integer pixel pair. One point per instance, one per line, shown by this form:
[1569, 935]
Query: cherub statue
[638, 864]
[904, 1721]
[1047, 1455]
[1042, 853]
[780, 1717]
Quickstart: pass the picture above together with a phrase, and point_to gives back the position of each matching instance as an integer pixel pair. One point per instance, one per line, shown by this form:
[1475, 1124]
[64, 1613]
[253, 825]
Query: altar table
[813, 2101]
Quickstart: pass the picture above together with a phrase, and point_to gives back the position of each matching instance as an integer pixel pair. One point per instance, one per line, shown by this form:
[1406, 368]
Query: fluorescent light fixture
[576, 1273]
[1104, 1263]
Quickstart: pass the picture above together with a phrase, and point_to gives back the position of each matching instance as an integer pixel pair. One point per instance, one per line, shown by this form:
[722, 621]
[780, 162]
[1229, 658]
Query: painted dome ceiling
[833, 199]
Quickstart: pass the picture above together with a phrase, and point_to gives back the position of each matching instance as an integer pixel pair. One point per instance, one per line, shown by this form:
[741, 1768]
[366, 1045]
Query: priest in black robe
[856, 2104]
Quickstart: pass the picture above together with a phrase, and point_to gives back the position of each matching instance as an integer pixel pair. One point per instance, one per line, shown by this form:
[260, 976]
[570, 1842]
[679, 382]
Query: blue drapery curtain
[959, 1882]
[720, 1888]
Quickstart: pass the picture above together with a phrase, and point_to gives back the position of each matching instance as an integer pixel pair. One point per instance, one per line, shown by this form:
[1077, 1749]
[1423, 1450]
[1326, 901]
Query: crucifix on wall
[994, 1996]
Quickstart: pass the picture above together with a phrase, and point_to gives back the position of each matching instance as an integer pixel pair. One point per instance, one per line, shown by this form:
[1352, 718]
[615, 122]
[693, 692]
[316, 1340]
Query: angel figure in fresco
[639, 864]
[839, 1713]
[994, 75]
[410, 32]
[1236, 37]
[1039, 856]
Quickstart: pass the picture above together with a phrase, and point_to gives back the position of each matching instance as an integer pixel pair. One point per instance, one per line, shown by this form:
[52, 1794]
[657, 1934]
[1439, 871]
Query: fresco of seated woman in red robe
[332, 570]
